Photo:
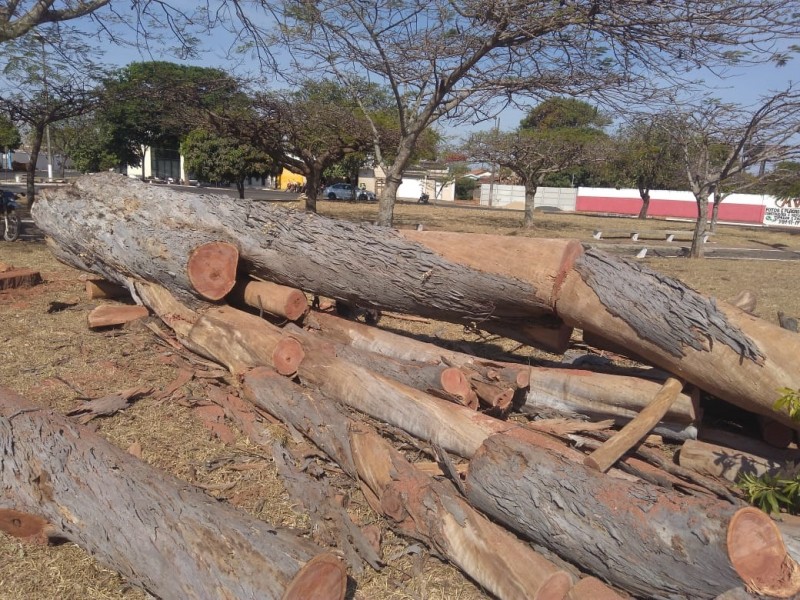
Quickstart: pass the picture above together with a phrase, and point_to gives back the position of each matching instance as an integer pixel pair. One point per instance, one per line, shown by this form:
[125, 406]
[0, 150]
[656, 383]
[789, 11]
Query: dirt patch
[48, 354]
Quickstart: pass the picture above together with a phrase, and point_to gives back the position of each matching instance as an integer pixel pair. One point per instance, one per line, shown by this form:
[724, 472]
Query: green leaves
[772, 494]
[789, 402]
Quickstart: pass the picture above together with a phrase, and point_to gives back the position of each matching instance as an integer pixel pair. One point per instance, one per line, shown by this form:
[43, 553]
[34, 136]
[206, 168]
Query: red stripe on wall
[743, 213]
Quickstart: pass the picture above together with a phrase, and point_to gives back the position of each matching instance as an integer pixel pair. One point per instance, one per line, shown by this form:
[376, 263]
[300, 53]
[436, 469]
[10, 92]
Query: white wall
[513, 196]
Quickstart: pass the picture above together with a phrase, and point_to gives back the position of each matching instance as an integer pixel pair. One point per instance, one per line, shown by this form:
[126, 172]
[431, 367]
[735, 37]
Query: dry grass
[51, 358]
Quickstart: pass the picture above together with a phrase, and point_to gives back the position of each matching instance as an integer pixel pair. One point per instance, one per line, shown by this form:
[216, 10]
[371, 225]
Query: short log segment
[162, 534]
[277, 300]
[642, 539]
[109, 315]
[417, 505]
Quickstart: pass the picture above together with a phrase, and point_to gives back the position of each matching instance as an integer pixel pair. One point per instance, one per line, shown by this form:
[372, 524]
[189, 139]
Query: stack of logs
[221, 274]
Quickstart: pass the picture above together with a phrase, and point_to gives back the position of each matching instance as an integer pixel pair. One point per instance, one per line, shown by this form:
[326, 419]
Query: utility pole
[47, 103]
[491, 178]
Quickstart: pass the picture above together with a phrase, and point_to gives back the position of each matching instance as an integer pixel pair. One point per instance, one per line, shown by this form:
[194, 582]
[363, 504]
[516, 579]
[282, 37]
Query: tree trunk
[161, 533]
[449, 276]
[530, 204]
[696, 250]
[715, 212]
[30, 171]
[393, 178]
[313, 177]
[645, 195]
[240, 188]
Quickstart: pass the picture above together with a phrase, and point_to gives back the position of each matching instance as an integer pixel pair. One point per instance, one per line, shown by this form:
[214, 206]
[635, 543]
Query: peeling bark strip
[161, 533]
[149, 231]
[660, 309]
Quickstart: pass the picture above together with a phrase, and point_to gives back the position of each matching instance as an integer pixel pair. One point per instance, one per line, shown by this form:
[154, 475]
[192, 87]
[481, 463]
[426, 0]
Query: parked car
[344, 191]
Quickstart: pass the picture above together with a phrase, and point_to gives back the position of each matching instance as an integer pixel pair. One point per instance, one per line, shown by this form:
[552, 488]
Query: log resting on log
[625, 516]
[725, 463]
[640, 538]
[117, 223]
[429, 511]
[162, 534]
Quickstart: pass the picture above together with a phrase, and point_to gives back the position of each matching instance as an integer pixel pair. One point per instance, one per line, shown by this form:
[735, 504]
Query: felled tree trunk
[625, 516]
[115, 223]
[162, 534]
[650, 543]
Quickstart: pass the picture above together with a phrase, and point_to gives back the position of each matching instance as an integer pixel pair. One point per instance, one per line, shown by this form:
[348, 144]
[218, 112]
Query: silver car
[344, 191]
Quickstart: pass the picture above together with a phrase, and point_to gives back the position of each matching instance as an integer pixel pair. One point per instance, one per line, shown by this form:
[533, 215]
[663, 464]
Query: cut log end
[454, 381]
[758, 554]
[555, 587]
[25, 526]
[212, 269]
[591, 588]
[287, 356]
[296, 305]
[323, 577]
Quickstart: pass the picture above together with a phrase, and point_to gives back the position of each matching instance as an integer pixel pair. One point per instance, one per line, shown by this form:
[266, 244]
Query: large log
[163, 534]
[625, 535]
[474, 279]
[726, 463]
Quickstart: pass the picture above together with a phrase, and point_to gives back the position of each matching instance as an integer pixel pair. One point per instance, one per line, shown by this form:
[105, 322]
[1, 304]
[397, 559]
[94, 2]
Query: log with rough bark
[651, 543]
[417, 505]
[633, 514]
[162, 534]
[467, 279]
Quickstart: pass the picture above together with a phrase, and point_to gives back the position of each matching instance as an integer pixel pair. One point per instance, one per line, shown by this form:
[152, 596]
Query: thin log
[758, 554]
[211, 269]
[278, 300]
[162, 534]
[109, 315]
[636, 430]
[597, 395]
[726, 463]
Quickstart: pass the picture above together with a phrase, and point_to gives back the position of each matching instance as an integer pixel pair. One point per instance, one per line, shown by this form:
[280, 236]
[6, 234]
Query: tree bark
[623, 510]
[161, 533]
[478, 278]
[645, 195]
[640, 538]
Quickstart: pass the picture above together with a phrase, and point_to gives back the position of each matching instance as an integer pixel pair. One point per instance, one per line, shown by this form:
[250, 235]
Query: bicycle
[11, 220]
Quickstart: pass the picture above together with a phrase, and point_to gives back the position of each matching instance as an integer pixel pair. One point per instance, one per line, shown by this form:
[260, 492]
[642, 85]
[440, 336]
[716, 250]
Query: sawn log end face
[323, 578]
[212, 269]
[758, 554]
